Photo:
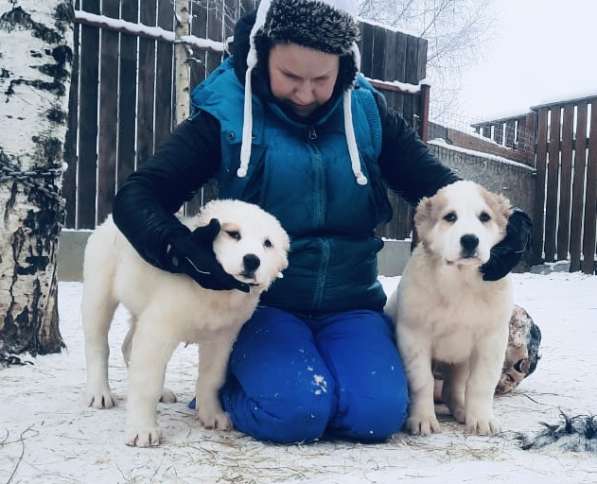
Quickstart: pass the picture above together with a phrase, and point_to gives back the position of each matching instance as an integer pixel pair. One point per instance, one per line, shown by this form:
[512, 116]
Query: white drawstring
[247, 139]
[351, 140]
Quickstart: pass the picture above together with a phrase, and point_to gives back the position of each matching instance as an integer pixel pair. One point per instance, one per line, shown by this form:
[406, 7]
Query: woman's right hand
[193, 254]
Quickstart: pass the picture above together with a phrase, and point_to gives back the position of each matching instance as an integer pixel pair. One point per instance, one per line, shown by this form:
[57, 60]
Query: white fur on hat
[347, 6]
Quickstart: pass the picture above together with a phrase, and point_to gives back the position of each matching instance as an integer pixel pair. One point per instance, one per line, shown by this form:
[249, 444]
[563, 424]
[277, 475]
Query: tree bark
[36, 42]
[181, 56]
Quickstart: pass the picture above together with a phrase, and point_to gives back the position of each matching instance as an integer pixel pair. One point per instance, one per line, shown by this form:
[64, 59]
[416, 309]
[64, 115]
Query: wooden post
[424, 110]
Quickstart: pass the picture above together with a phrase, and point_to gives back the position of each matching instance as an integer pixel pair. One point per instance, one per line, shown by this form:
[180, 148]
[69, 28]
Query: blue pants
[293, 379]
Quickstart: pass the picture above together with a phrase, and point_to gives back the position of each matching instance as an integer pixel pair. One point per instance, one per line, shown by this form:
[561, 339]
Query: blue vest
[302, 175]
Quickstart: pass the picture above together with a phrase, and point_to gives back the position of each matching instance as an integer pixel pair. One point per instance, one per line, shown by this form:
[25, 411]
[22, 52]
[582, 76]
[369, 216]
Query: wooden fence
[122, 104]
[563, 136]
[516, 133]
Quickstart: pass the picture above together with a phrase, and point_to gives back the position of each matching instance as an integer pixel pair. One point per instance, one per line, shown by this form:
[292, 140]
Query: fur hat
[324, 25]
[313, 24]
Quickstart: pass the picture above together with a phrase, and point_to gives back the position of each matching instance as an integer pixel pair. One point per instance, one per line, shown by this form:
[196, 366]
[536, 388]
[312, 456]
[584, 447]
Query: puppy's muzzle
[250, 264]
[469, 244]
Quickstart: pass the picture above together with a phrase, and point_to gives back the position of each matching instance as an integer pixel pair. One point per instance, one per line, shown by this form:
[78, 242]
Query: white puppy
[445, 312]
[167, 309]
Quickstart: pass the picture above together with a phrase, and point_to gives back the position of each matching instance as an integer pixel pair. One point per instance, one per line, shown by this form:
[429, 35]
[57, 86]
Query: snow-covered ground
[47, 435]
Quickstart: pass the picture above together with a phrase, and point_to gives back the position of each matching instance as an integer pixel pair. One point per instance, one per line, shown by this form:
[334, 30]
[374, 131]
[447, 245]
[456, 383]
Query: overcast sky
[541, 50]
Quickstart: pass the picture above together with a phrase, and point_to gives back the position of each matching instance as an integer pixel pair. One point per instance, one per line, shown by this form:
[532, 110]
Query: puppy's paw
[168, 396]
[458, 413]
[418, 424]
[99, 397]
[217, 420]
[481, 424]
[143, 436]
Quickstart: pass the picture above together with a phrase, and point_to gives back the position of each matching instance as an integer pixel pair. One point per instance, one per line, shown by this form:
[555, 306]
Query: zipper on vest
[312, 134]
[319, 196]
[322, 273]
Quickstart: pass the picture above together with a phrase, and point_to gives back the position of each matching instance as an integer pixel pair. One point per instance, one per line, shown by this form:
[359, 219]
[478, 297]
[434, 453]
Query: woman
[288, 123]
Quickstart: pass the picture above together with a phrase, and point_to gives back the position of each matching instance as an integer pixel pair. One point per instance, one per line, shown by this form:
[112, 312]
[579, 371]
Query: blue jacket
[302, 174]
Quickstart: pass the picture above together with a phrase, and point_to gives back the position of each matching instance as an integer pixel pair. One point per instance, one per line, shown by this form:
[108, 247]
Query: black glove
[193, 255]
[507, 253]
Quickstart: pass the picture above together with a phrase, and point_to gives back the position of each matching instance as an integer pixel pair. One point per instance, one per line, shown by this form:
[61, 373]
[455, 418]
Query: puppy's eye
[235, 234]
[484, 217]
[268, 244]
[451, 217]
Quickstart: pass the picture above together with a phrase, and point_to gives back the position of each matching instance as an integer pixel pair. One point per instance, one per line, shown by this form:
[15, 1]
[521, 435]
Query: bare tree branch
[456, 31]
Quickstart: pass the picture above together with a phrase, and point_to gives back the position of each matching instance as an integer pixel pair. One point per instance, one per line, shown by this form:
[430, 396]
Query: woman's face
[302, 78]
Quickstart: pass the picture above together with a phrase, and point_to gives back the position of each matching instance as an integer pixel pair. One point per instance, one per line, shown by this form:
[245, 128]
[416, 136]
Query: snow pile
[47, 435]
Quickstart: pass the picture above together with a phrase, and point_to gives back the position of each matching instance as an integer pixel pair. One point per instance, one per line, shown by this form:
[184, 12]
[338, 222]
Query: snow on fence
[563, 139]
[123, 95]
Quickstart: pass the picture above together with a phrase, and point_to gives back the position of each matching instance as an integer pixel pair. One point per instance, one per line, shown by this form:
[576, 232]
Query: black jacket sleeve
[406, 164]
[144, 206]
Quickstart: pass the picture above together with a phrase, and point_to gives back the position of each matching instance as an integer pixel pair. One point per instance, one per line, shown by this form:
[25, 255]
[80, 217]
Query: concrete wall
[514, 180]
[71, 247]
[392, 257]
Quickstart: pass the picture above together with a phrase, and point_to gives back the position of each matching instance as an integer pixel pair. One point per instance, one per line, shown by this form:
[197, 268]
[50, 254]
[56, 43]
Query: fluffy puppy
[446, 313]
[167, 309]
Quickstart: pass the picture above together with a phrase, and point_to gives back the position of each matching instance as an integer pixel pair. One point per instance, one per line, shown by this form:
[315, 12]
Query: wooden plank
[164, 76]
[198, 74]
[578, 187]
[422, 61]
[520, 139]
[399, 57]
[127, 96]
[390, 229]
[590, 222]
[379, 53]
[231, 13]
[366, 48]
[403, 215]
[199, 29]
[412, 59]
[541, 164]
[498, 133]
[565, 182]
[146, 97]
[424, 99]
[108, 115]
[551, 201]
[391, 68]
[247, 6]
[411, 76]
[401, 41]
[214, 31]
[86, 186]
[510, 132]
[530, 136]
[69, 181]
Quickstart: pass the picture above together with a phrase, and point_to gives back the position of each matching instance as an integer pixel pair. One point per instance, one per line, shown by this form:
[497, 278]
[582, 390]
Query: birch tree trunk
[36, 40]
[181, 56]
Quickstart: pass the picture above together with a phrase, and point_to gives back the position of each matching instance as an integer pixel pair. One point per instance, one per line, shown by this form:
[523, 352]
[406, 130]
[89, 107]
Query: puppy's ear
[503, 205]
[499, 205]
[423, 214]
[285, 249]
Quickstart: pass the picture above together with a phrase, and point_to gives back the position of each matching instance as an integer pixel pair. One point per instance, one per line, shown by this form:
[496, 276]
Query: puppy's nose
[251, 262]
[469, 243]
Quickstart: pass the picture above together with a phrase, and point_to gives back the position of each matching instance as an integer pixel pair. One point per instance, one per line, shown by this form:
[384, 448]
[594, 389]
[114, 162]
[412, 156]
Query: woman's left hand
[507, 253]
